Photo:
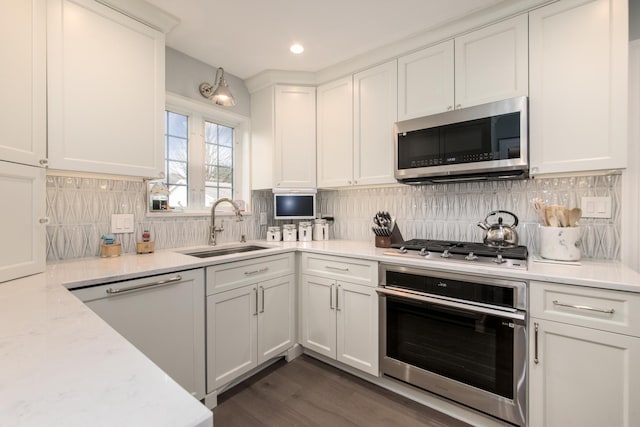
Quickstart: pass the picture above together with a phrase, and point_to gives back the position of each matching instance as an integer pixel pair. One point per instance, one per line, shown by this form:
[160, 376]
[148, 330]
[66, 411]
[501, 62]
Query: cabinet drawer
[229, 276]
[350, 269]
[613, 311]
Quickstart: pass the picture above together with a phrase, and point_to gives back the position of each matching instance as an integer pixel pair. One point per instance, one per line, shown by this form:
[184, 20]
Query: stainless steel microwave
[483, 142]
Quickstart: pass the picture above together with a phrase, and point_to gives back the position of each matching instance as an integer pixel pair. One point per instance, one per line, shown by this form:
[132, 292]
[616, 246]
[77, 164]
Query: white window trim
[241, 140]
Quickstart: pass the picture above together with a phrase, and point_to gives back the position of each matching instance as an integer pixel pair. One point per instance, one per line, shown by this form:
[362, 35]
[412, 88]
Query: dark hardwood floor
[307, 392]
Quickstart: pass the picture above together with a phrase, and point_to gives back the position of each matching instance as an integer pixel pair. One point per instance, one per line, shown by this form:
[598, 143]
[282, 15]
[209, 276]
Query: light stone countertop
[60, 364]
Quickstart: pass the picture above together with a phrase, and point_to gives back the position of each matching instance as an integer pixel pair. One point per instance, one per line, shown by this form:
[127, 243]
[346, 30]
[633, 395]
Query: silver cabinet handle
[262, 270]
[449, 108]
[330, 267]
[255, 313]
[458, 107]
[337, 299]
[262, 292]
[44, 162]
[331, 306]
[584, 307]
[535, 350]
[145, 285]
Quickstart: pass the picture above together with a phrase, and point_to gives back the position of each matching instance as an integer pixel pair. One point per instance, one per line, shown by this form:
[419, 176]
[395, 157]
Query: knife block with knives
[386, 230]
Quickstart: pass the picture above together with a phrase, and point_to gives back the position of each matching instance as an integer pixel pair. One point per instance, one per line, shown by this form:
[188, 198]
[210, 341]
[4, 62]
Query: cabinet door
[319, 315]
[165, 322]
[357, 327]
[105, 91]
[275, 317]
[492, 63]
[232, 331]
[23, 112]
[22, 220]
[375, 94]
[578, 83]
[335, 133]
[425, 82]
[295, 137]
[584, 377]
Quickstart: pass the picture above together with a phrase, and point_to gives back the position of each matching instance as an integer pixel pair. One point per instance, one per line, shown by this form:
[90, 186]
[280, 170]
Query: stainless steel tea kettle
[499, 234]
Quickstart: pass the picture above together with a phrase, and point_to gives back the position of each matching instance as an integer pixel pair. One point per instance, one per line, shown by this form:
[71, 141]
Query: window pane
[211, 176]
[177, 124]
[177, 172]
[211, 195]
[210, 132]
[211, 154]
[224, 174]
[225, 157]
[226, 192]
[178, 196]
[225, 136]
[177, 149]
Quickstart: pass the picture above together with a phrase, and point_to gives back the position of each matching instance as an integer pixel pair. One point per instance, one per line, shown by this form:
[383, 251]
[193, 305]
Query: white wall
[634, 19]
[184, 75]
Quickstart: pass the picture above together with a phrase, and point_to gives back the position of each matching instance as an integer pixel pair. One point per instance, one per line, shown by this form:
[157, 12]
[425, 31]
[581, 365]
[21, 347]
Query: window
[205, 155]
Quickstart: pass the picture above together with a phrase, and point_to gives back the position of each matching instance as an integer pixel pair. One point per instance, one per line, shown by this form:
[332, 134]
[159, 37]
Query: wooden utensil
[574, 215]
[550, 217]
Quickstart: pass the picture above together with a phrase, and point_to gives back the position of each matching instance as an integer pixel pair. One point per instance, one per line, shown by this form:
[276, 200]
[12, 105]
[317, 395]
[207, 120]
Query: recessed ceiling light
[296, 48]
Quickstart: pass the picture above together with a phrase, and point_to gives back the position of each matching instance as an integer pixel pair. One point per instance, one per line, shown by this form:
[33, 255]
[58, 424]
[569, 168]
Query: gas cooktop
[470, 252]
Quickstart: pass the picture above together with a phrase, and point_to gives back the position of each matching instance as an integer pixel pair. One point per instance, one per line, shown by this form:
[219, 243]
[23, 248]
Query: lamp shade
[220, 93]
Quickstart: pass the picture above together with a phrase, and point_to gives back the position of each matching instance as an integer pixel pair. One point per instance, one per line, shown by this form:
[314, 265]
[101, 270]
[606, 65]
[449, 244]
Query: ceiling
[249, 36]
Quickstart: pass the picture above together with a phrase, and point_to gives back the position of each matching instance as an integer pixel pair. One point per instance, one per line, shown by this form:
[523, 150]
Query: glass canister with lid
[304, 231]
[289, 232]
[274, 234]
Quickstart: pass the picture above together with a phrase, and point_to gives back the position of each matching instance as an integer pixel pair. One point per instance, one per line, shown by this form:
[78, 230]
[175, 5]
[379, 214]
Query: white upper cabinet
[375, 95]
[482, 66]
[283, 137]
[23, 82]
[578, 83]
[335, 133]
[425, 82]
[105, 91]
[492, 63]
[295, 134]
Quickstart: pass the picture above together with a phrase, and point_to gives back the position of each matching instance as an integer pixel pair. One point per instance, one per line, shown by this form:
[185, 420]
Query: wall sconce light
[220, 93]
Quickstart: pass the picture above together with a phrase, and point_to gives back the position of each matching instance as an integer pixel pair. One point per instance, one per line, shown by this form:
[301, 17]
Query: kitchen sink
[208, 253]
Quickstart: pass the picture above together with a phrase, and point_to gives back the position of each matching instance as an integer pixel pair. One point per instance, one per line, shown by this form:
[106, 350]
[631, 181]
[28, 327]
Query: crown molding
[144, 12]
[272, 77]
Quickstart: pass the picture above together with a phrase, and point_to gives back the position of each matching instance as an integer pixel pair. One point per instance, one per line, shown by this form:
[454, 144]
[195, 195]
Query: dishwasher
[163, 316]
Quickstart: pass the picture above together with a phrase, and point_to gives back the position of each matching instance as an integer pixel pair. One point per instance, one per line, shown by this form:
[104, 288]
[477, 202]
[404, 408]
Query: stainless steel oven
[460, 336]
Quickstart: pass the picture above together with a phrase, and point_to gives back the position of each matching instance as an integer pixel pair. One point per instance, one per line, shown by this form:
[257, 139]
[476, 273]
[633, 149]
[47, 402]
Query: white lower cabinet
[340, 321]
[247, 326]
[583, 359]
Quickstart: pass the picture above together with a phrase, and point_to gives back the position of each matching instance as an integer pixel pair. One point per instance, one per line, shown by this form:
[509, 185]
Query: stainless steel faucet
[212, 228]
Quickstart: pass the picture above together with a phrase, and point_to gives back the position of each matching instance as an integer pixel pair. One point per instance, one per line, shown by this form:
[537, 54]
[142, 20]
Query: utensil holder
[560, 243]
[387, 241]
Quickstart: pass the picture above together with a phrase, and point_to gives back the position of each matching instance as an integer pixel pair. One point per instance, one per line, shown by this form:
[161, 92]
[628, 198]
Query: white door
[425, 82]
[319, 315]
[295, 137]
[335, 133]
[165, 322]
[276, 315]
[357, 327]
[105, 76]
[492, 63]
[584, 377]
[578, 86]
[375, 110]
[23, 105]
[22, 220]
[232, 329]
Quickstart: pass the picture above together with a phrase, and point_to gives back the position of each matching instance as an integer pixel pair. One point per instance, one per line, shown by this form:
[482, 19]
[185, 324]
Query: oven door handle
[518, 316]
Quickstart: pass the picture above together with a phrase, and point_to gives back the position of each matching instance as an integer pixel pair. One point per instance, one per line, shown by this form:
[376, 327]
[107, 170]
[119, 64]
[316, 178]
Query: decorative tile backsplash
[80, 211]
